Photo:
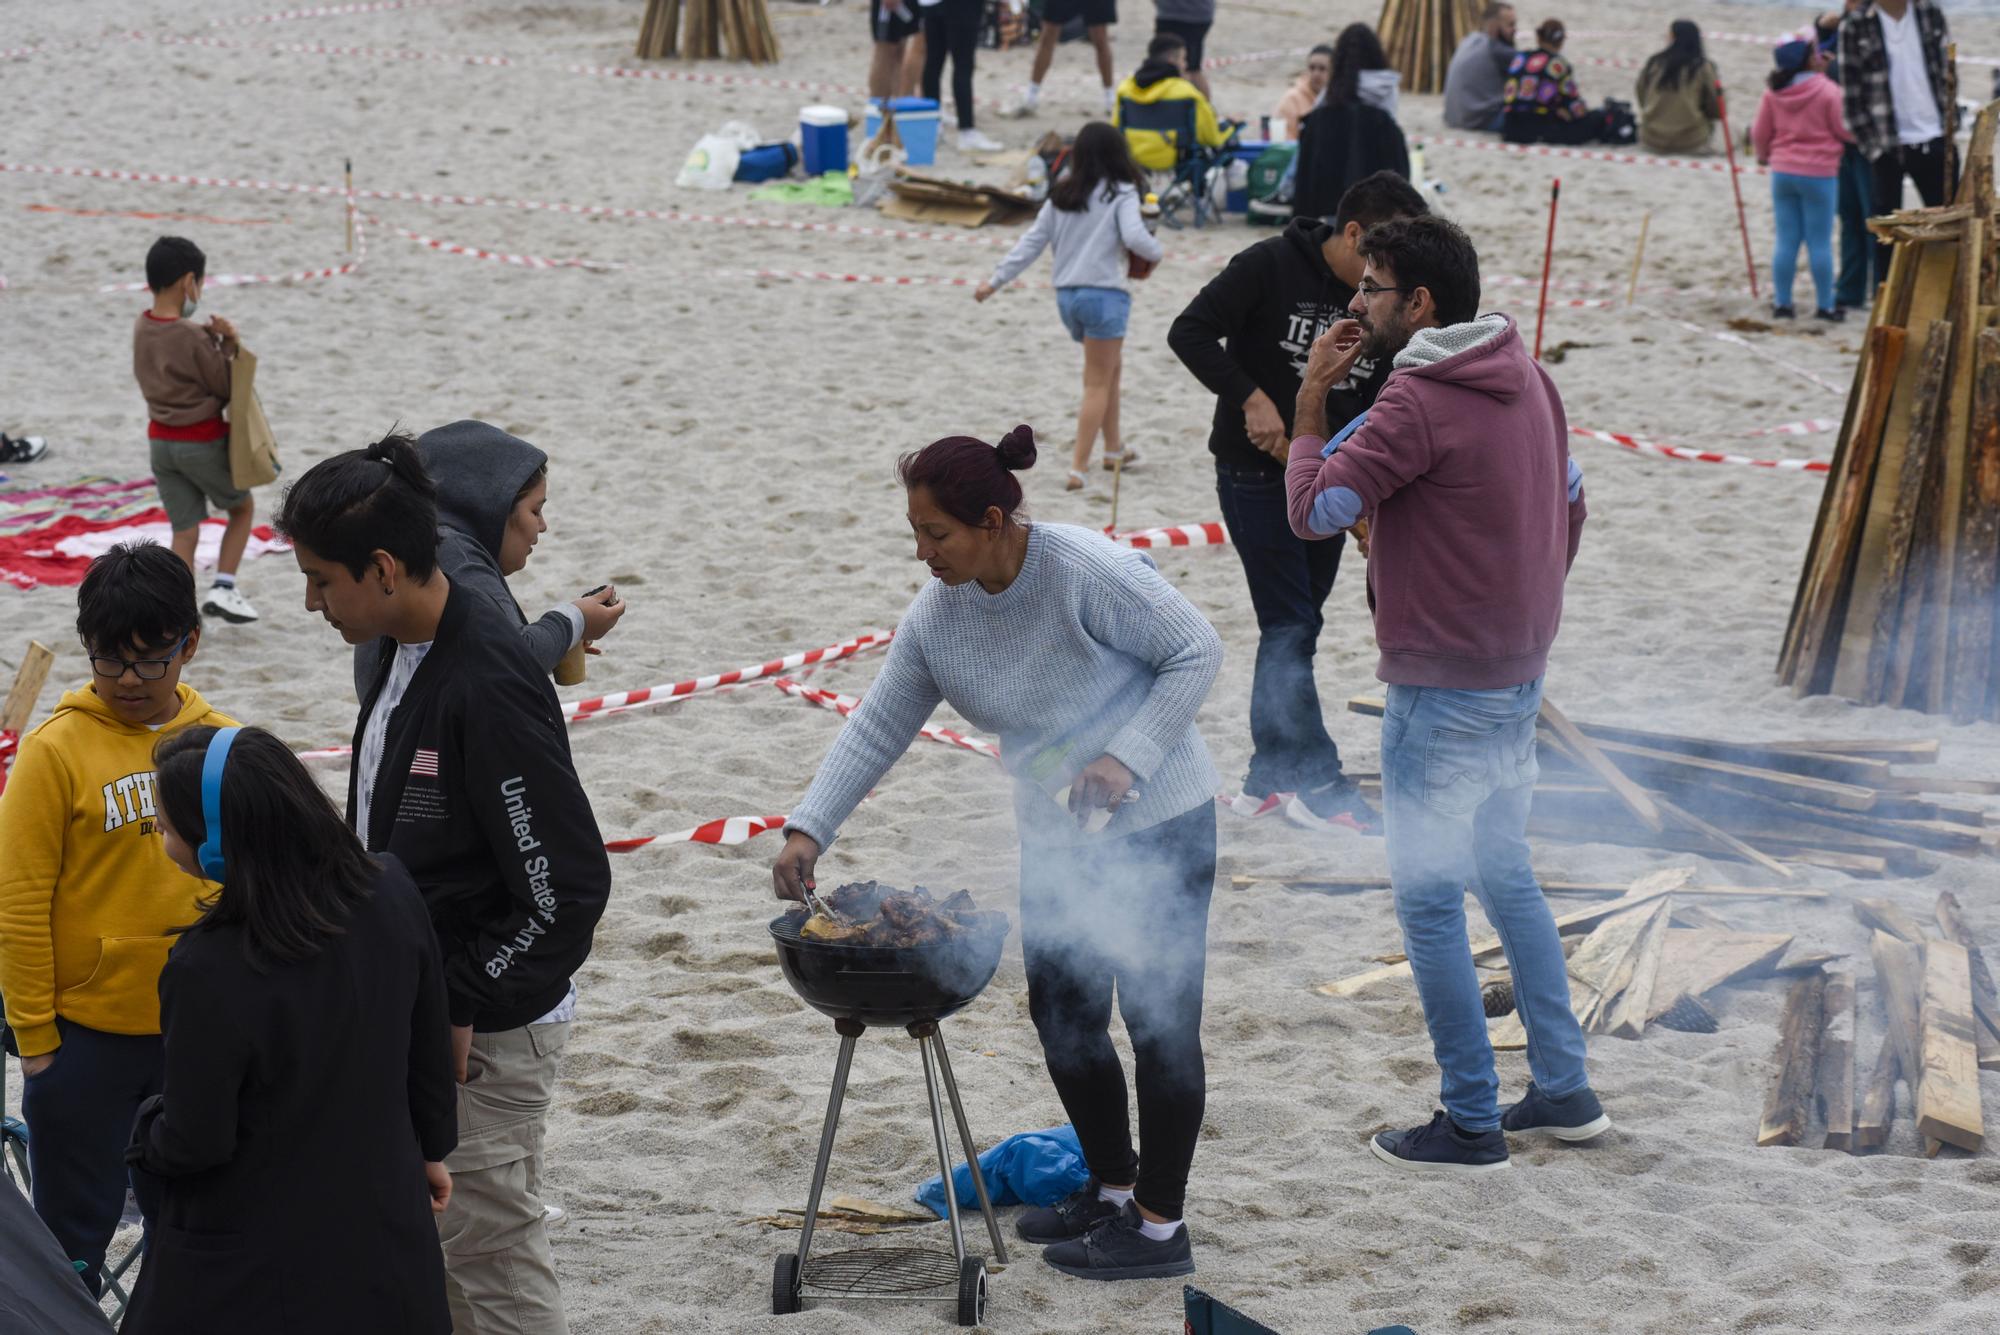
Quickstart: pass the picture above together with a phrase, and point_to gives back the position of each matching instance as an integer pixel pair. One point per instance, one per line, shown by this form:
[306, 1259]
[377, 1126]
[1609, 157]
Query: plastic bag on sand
[712, 164]
[1029, 1168]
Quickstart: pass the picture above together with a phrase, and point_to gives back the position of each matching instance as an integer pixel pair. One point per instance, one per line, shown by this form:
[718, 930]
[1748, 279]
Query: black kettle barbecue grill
[913, 987]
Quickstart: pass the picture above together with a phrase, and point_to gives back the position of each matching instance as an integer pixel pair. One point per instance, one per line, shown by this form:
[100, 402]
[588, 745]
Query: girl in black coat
[297, 1146]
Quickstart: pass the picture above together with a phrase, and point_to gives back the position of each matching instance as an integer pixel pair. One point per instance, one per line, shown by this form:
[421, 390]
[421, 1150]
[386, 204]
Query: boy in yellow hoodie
[89, 899]
[1163, 78]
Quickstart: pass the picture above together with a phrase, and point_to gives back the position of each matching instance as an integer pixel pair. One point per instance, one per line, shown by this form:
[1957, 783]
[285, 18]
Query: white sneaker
[553, 1216]
[973, 141]
[229, 604]
[1015, 111]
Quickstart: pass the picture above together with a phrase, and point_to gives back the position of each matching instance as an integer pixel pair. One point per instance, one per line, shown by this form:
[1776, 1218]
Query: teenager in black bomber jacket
[462, 770]
[1246, 336]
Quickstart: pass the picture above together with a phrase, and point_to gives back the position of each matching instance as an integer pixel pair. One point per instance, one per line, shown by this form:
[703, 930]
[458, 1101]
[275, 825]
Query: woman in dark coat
[1353, 133]
[308, 1105]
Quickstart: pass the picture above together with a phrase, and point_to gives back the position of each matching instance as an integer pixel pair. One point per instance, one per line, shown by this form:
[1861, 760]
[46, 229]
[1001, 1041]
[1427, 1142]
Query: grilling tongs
[820, 906]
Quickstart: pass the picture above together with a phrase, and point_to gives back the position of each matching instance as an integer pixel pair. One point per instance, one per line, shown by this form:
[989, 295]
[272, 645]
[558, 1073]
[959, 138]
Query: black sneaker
[1784, 313]
[1440, 1147]
[1833, 316]
[1337, 805]
[21, 449]
[1577, 1116]
[1071, 1217]
[1117, 1249]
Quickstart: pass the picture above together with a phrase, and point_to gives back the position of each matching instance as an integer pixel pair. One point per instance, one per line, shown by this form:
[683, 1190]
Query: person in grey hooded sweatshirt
[490, 491]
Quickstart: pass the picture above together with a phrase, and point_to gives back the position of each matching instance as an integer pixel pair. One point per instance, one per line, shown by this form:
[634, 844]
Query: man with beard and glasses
[1475, 509]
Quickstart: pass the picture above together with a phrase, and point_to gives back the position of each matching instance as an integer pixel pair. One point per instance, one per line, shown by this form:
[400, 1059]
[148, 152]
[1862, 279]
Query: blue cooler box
[823, 139]
[1245, 151]
[916, 122]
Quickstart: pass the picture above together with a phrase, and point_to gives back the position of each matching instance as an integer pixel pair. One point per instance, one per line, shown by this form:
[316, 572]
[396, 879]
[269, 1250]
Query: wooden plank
[1725, 838]
[1937, 619]
[1978, 568]
[1927, 783]
[1883, 916]
[1929, 292]
[1696, 917]
[1985, 995]
[1948, 1094]
[1629, 793]
[1695, 963]
[1912, 515]
[1899, 977]
[1603, 964]
[1550, 886]
[1634, 1005]
[1878, 1102]
[1786, 1112]
[1836, 1063]
[1644, 889]
[1859, 770]
[1651, 764]
[1911, 751]
[18, 710]
[1832, 554]
[1834, 856]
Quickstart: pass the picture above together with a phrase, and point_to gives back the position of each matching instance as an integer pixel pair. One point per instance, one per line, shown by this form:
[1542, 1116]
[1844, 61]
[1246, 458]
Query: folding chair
[1193, 177]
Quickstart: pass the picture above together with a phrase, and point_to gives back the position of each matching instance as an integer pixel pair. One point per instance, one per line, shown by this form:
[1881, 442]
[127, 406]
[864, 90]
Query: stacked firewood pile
[1896, 603]
[1419, 37]
[743, 25]
[1848, 806]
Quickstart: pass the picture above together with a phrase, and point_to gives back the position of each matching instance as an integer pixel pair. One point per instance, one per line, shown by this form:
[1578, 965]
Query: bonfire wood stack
[1420, 36]
[1895, 604]
[744, 26]
[1840, 805]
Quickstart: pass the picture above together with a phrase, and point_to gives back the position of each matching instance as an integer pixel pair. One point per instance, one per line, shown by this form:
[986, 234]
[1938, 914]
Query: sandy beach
[722, 448]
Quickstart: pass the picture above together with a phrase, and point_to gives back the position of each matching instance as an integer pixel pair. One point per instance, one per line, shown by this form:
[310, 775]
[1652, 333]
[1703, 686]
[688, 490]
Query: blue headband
[212, 765]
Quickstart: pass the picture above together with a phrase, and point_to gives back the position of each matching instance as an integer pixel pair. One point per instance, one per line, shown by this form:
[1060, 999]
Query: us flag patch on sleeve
[425, 763]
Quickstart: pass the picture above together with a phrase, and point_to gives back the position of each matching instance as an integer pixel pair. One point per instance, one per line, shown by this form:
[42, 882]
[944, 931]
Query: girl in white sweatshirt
[1092, 219]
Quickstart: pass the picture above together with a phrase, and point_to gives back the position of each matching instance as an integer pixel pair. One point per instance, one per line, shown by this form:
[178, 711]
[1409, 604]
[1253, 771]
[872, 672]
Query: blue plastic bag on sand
[1029, 1168]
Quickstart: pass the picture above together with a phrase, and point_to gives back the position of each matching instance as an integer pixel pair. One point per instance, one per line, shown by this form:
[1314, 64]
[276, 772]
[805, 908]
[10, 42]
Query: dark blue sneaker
[1116, 1249]
[1577, 1116]
[1071, 1217]
[1440, 1147]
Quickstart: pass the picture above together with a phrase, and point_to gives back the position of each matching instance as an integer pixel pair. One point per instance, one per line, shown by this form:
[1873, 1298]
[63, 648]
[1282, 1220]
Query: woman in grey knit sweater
[1091, 668]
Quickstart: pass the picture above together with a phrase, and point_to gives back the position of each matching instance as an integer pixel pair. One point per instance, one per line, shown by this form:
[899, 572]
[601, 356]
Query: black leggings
[1925, 165]
[952, 26]
[1129, 914]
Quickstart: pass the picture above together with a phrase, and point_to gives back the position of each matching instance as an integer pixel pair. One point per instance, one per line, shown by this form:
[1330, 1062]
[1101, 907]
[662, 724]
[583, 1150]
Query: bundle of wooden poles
[1848, 806]
[1421, 35]
[744, 26]
[1895, 604]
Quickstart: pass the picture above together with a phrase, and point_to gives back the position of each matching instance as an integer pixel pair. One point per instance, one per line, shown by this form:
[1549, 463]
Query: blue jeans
[1805, 207]
[1290, 579]
[1857, 243]
[1458, 773]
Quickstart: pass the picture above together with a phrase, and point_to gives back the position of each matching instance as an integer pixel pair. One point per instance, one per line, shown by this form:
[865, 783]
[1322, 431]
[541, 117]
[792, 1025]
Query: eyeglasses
[1374, 290]
[146, 669]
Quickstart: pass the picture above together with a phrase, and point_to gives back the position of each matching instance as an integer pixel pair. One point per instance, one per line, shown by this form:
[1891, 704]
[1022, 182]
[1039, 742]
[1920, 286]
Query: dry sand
[723, 449]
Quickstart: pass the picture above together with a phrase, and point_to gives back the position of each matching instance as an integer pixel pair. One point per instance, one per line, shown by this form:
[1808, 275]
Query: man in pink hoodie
[1475, 510]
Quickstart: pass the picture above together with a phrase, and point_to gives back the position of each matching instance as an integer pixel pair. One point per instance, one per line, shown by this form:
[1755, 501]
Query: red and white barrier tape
[869, 279]
[521, 261]
[9, 742]
[254, 279]
[622, 701]
[728, 831]
[1584, 154]
[1251, 57]
[1640, 445]
[1762, 354]
[844, 705]
[1211, 534]
[333, 12]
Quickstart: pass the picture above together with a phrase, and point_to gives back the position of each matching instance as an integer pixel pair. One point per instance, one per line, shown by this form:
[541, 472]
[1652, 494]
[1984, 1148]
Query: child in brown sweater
[183, 371]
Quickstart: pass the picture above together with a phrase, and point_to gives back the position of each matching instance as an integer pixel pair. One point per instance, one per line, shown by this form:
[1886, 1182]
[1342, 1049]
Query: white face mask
[188, 305]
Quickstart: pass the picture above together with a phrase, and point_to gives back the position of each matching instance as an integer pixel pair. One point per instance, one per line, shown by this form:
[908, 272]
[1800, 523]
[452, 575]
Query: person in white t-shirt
[1896, 80]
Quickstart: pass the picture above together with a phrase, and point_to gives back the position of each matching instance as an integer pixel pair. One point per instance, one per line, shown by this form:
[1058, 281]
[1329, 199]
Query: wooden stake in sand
[1548, 257]
[1117, 475]
[1736, 184]
[1638, 259]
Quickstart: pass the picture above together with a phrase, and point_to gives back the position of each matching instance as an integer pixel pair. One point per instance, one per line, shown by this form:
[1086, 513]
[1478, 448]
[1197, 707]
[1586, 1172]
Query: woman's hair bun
[1017, 449]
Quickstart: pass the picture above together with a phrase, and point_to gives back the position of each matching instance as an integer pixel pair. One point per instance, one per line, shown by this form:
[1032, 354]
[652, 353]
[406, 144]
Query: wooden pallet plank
[1629, 793]
[1650, 764]
[1947, 1096]
[17, 712]
[1634, 1005]
[1694, 963]
[1877, 1111]
[1786, 1114]
[1985, 994]
[1978, 568]
[1836, 1063]
[1903, 562]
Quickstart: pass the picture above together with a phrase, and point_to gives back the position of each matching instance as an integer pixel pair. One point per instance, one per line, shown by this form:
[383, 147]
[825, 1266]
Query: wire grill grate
[880, 1271]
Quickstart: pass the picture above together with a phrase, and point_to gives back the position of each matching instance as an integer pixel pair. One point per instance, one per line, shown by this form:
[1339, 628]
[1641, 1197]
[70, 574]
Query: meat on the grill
[870, 914]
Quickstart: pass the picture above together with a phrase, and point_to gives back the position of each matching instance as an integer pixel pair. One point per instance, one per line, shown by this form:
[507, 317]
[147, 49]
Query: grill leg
[840, 1068]
[971, 1149]
[943, 1154]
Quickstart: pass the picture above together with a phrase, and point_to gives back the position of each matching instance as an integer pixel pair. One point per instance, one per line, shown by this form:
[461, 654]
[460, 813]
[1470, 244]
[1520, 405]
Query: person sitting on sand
[1091, 667]
[308, 1104]
[1475, 83]
[1679, 106]
[1542, 104]
[1092, 221]
[1474, 514]
[491, 488]
[1304, 95]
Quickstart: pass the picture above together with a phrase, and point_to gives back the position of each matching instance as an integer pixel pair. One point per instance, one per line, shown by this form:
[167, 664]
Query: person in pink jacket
[1799, 135]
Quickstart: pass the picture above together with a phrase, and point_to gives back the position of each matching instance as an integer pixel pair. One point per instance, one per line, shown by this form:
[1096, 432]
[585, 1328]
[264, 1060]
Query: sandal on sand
[1076, 482]
[1128, 454]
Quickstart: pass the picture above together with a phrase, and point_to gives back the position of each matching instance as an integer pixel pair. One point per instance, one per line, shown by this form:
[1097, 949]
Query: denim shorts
[1094, 312]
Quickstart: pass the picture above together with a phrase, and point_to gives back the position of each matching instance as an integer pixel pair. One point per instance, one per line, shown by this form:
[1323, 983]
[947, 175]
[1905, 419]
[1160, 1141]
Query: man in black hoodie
[1247, 336]
[490, 489]
[462, 770]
